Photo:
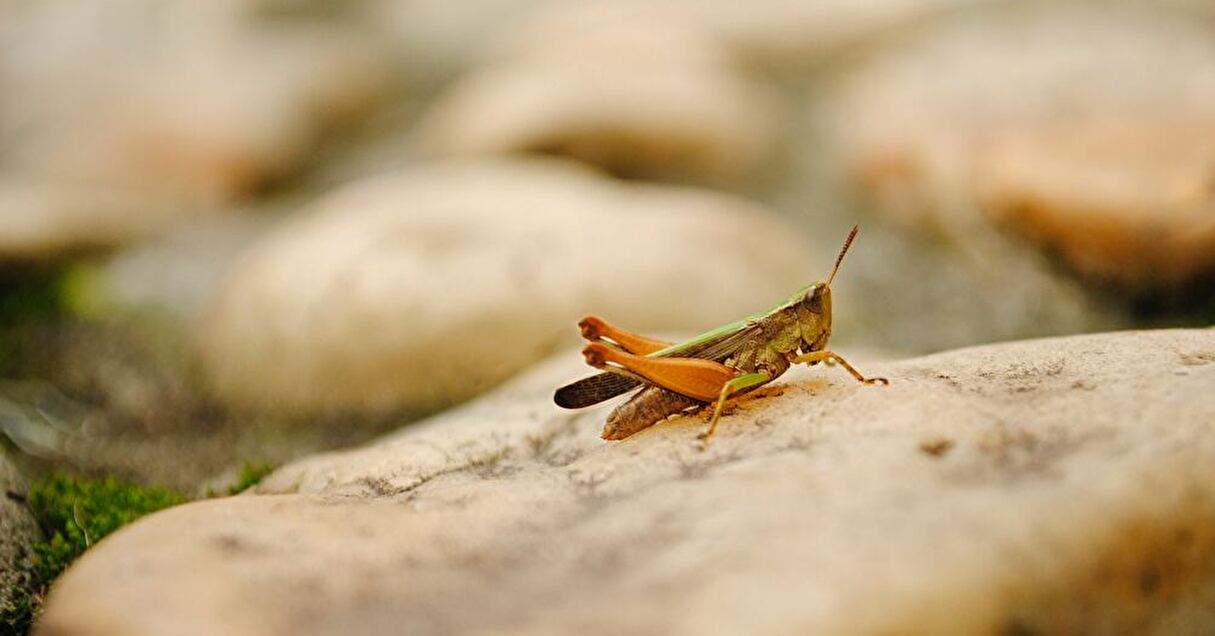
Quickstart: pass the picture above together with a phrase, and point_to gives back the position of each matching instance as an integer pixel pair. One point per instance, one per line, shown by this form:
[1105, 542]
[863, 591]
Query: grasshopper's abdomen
[650, 406]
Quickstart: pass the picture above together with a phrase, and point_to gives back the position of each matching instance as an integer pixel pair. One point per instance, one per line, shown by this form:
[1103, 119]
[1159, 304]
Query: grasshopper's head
[814, 309]
[814, 317]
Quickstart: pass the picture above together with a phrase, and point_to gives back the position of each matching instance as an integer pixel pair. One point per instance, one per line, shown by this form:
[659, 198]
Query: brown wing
[593, 390]
[607, 385]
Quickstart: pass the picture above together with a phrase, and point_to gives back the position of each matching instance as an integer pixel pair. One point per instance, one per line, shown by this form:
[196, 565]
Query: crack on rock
[543, 446]
[380, 486]
[384, 488]
[1024, 371]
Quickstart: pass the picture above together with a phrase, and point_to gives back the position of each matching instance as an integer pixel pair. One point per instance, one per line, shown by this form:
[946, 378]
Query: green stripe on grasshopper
[726, 330]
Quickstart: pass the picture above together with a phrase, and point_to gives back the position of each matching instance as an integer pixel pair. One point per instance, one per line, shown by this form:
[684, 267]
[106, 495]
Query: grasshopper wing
[607, 385]
[593, 390]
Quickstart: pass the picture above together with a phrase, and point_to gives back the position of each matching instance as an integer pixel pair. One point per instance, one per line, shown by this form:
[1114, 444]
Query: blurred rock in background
[422, 288]
[1089, 130]
[640, 93]
[121, 116]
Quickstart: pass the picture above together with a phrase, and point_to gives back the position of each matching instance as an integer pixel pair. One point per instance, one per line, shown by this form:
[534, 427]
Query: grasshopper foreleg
[594, 328]
[830, 358]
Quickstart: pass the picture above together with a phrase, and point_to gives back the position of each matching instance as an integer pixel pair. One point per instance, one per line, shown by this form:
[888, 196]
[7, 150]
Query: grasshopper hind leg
[594, 329]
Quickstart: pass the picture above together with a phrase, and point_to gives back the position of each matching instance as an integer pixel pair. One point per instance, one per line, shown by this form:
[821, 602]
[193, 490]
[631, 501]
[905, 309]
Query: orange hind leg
[693, 377]
[595, 328]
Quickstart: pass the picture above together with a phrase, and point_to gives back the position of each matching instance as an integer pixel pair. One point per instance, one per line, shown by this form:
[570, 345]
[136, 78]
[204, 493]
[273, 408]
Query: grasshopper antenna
[844, 250]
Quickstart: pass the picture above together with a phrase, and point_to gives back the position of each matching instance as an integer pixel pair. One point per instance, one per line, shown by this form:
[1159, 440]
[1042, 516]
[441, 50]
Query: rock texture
[639, 92]
[1087, 129]
[41, 218]
[424, 287]
[18, 531]
[1057, 486]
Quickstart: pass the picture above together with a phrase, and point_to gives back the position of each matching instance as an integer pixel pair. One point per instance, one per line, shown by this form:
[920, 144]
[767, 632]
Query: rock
[173, 107]
[417, 289]
[18, 531]
[789, 35]
[1122, 200]
[176, 274]
[1049, 486]
[1085, 129]
[433, 40]
[640, 95]
[41, 218]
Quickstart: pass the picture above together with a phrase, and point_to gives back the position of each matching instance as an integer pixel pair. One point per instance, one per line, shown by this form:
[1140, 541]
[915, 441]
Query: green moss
[76, 513]
[16, 618]
[250, 475]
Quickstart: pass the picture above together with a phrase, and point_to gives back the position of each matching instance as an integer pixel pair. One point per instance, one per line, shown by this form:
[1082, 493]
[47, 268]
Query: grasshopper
[710, 368]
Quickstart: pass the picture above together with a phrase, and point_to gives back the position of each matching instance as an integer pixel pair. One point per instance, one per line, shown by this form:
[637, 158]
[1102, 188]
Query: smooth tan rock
[1050, 487]
[1119, 200]
[435, 39]
[424, 287]
[168, 107]
[1085, 128]
[640, 94]
[41, 218]
[782, 34]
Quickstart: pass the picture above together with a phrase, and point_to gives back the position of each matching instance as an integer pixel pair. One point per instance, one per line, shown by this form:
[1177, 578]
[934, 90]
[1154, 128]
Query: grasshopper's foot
[831, 359]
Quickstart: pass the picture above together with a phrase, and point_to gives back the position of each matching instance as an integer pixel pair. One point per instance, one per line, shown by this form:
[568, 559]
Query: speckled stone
[1055, 486]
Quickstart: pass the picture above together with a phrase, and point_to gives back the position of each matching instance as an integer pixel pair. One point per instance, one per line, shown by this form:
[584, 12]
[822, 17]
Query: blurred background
[243, 231]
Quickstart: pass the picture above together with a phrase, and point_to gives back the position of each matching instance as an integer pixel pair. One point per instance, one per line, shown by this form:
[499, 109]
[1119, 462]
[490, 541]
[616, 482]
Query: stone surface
[640, 93]
[793, 35]
[167, 107]
[1128, 200]
[419, 288]
[1086, 129]
[1048, 487]
[176, 274]
[40, 218]
[18, 531]
[433, 40]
